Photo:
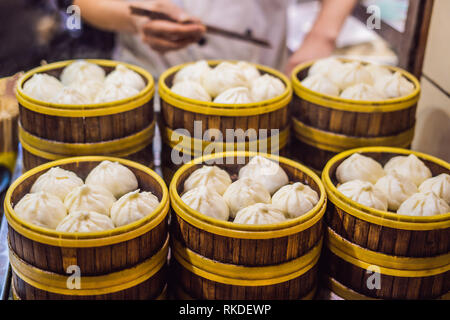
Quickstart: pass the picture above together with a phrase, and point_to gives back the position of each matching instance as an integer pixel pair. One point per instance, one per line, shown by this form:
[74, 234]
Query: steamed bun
[211, 177]
[114, 177]
[243, 193]
[423, 204]
[260, 213]
[249, 70]
[320, 83]
[122, 76]
[409, 167]
[349, 74]
[90, 198]
[113, 92]
[85, 221]
[192, 72]
[238, 95]
[133, 206]
[364, 193]
[80, 71]
[266, 87]
[191, 90]
[396, 188]
[362, 92]
[223, 77]
[439, 185]
[207, 201]
[69, 95]
[42, 209]
[324, 66]
[359, 167]
[295, 199]
[42, 86]
[57, 181]
[394, 86]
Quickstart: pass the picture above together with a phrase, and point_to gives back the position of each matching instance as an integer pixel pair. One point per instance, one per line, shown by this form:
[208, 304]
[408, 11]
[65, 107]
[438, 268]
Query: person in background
[157, 45]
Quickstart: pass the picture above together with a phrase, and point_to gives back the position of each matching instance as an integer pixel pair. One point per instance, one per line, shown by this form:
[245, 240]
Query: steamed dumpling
[236, 95]
[42, 209]
[394, 86]
[70, 95]
[322, 84]
[85, 221]
[223, 77]
[249, 70]
[266, 87]
[207, 201]
[359, 167]
[295, 199]
[113, 92]
[243, 193]
[423, 204]
[266, 172]
[439, 185]
[324, 66]
[133, 206]
[378, 71]
[88, 88]
[260, 213]
[192, 72]
[42, 86]
[409, 167]
[122, 76]
[58, 182]
[212, 177]
[349, 74]
[80, 71]
[191, 90]
[396, 188]
[362, 92]
[90, 198]
[114, 177]
[364, 193]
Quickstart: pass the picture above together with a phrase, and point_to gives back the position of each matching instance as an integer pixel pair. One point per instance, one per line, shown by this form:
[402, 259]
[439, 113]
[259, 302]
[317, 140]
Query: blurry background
[413, 35]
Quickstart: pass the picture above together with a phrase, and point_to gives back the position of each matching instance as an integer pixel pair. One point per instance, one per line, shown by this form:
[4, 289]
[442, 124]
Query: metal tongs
[155, 15]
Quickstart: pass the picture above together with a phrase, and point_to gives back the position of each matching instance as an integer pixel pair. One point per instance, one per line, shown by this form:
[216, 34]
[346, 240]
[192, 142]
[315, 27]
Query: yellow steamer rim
[88, 239]
[87, 110]
[211, 108]
[241, 231]
[383, 218]
[54, 150]
[338, 103]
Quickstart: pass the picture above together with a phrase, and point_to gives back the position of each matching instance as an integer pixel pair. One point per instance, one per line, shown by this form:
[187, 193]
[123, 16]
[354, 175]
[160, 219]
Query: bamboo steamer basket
[136, 147]
[86, 123]
[325, 125]
[187, 148]
[413, 253]
[9, 114]
[128, 262]
[216, 259]
[181, 112]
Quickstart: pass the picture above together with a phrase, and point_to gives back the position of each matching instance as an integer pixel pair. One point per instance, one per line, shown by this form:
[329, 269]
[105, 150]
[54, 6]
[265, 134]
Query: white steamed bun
[266, 172]
[359, 167]
[409, 167]
[320, 83]
[324, 66]
[85, 221]
[243, 193]
[377, 71]
[423, 204]
[80, 71]
[69, 95]
[57, 181]
[191, 90]
[349, 74]
[396, 188]
[113, 92]
[295, 199]
[88, 88]
[259, 213]
[90, 198]
[362, 92]
[42, 209]
[394, 86]
[249, 70]
[238, 95]
[439, 185]
[133, 206]
[114, 177]
[212, 177]
[266, 87]
[223, 77]
[192, 72]
[121, 75]
[364, 193]
[207, 201]
[42, 86]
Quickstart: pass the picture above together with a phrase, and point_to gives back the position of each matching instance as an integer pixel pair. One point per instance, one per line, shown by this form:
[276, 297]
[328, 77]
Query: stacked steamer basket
[373, 254]
[122, 128]
[127, 262]
[178, 112]
[9, 114]
[324, 125]
[216, 259]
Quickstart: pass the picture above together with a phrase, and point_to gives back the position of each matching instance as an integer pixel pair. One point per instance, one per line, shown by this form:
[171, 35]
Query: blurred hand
[164, 36]
[313, 47]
